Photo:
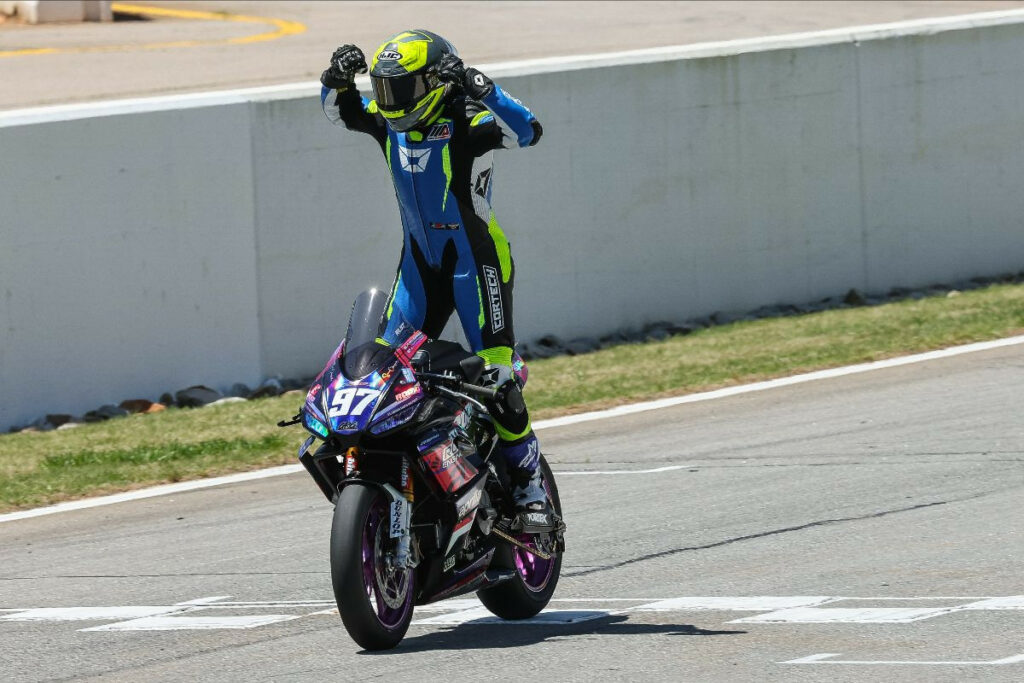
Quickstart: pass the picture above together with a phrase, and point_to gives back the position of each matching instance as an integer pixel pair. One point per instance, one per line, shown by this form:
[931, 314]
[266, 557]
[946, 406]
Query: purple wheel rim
[536, 572]
[383, 587]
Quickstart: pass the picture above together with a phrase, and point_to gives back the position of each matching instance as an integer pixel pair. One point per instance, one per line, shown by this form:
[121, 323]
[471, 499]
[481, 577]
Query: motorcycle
[422, 507]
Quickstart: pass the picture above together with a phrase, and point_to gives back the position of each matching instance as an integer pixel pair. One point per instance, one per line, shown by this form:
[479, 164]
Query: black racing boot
[533, 509]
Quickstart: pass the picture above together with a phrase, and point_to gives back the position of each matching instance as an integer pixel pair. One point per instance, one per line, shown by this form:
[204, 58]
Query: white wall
[58, 11]
[126, 259]
[150, 244]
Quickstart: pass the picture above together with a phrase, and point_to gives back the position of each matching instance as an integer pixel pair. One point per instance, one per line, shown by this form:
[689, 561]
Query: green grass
[42, 468]
[761, 349]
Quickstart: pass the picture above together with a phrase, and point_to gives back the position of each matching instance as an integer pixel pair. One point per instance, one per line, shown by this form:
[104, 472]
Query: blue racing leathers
[455, 255]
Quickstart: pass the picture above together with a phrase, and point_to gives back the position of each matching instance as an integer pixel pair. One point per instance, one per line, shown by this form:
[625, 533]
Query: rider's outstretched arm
[518, 126]
[347, 107]
[340, 99]
[497, 120]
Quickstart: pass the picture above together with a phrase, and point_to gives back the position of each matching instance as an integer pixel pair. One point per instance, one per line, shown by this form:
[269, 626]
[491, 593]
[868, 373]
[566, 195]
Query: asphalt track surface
[859, 528]
[168, 54]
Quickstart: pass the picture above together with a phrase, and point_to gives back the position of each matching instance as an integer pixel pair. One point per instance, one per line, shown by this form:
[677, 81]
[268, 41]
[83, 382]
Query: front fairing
[382, 401]
[368, 382]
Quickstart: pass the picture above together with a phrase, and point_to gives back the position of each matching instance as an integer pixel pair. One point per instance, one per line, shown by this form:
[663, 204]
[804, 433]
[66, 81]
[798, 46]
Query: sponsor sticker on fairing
[469, 503]
[494, 298]
[411, 392]
[430, 440]
[448, 563]
[449, 455]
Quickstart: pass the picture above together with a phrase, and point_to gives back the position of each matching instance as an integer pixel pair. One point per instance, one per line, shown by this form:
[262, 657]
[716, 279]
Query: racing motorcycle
[404, 447]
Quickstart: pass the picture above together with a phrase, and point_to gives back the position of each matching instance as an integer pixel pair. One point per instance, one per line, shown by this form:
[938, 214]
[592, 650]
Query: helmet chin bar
[436, 104]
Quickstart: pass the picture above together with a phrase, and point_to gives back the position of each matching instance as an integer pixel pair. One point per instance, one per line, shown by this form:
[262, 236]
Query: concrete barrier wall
[127, 258]
[150, 244]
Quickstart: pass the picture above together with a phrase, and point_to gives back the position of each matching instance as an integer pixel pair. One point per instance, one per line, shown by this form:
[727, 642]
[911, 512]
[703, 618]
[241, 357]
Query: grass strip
[177, 444]
[157, 453]
[751, 351]
[60, 476]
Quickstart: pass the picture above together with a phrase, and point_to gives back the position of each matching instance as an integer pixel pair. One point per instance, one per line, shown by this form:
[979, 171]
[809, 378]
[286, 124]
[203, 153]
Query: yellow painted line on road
[282, 27]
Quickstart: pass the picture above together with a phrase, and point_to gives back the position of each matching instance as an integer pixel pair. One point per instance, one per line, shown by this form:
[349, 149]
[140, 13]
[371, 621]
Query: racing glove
[477, 85]
[451, 70]
[346, 61]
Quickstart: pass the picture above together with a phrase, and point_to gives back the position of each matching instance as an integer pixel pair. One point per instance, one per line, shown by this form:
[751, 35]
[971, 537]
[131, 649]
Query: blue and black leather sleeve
[355, 112]
[503, 122]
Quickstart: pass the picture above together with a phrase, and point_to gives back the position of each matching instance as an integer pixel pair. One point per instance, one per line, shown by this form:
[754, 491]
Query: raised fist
[346, 61]
[450, 70]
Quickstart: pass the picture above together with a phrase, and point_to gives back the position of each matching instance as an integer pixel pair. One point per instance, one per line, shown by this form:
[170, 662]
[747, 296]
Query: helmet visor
[399, 92]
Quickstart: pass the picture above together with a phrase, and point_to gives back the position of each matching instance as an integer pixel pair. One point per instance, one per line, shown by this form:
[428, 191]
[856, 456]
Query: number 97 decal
[352, 401]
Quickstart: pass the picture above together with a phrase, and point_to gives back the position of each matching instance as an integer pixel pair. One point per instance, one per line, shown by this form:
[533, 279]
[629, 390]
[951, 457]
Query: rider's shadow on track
[470, 636]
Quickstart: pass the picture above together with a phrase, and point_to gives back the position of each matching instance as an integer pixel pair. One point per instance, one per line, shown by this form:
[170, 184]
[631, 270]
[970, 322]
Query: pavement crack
[773, 532]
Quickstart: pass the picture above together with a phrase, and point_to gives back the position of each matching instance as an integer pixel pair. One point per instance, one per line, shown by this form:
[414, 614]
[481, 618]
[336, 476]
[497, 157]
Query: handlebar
[485, 393]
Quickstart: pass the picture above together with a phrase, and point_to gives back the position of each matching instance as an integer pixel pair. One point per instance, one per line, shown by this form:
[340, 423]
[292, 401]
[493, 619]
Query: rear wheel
[530, 591]
[374, 598]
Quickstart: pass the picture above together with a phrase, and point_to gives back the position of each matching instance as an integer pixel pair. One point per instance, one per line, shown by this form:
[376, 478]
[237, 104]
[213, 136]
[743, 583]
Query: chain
[519, 544]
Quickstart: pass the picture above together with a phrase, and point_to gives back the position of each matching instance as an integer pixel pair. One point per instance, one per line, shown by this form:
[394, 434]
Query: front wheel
[374, 598]
[530, 591]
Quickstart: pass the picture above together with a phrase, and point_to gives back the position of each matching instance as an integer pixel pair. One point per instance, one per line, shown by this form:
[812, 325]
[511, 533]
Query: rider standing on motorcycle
[437, 123]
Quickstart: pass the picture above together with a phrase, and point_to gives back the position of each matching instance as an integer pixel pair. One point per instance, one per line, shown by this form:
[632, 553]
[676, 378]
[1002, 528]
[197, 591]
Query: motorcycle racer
[437, 123]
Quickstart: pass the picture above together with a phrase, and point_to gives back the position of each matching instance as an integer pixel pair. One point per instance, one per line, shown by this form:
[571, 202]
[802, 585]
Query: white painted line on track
[191, 623]
[812, 659]
[579, 473]
[208, 613]
[831, 373]
[757, 603]
[825, 658]
[203, 601]
[481, 615]
[1009, 602]
[89, 613]
[619, 411]
[151, 492]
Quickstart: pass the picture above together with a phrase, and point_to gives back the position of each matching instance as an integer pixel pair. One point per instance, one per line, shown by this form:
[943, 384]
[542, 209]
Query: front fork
[400, 518]
[399, 509]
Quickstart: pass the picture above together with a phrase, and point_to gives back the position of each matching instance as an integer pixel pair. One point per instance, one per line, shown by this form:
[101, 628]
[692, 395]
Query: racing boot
[533, 508]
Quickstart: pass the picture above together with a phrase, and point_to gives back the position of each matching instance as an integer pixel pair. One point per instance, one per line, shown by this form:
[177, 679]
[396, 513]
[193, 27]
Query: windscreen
[365, 347]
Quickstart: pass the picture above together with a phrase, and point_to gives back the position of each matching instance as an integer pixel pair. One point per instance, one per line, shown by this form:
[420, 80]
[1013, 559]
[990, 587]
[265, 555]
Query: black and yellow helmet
[407, 92]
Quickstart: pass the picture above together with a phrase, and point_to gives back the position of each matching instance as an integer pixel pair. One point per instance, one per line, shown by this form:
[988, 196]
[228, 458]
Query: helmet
[407, 92]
